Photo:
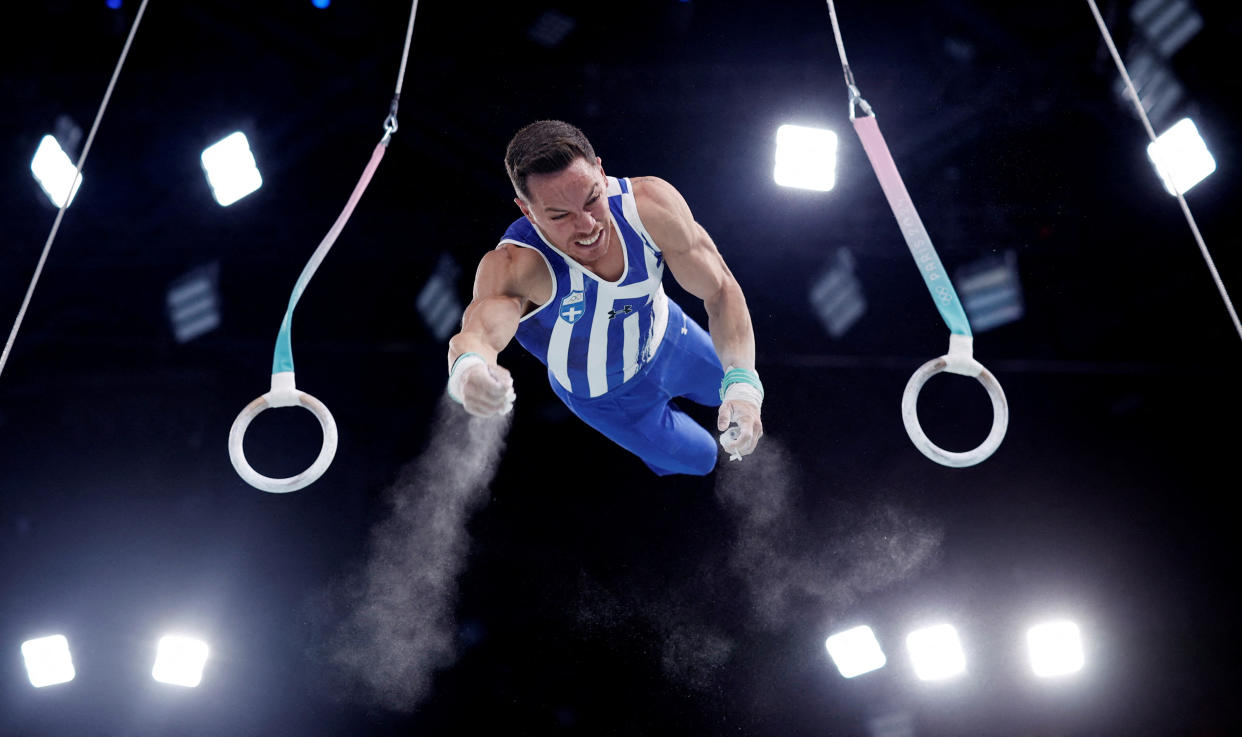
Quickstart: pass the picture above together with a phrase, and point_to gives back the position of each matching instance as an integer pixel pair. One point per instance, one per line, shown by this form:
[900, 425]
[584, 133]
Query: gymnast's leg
[640, 419]
[687, 362]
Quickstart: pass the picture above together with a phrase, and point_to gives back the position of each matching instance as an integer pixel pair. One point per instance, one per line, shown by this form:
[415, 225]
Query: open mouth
[588, 242]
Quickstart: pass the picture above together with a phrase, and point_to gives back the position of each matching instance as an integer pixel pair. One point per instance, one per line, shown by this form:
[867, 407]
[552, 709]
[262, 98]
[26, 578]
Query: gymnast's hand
[741, 439]
[741, 397]
[485, 391]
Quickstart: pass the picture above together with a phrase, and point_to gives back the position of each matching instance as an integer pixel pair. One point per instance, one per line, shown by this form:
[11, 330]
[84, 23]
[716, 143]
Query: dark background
[596, 598]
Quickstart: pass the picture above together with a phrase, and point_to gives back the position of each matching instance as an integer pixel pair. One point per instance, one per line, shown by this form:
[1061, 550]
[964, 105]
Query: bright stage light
[179, 661]
[1181, 157]
[805, 158]
[855, 651]
[231, 169]
[48, 661]
[1055, 648]
[55, 173]
[936, 652]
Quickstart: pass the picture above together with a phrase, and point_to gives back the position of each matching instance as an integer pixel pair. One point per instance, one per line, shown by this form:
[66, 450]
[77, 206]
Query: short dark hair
[544, 147]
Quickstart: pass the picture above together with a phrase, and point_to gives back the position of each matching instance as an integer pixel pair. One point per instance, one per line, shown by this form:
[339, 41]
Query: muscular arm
[491, 319]
[698, 267]
[503, 287]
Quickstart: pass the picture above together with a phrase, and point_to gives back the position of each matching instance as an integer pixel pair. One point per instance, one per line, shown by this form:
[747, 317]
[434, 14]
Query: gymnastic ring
[909, 415]
[283, 394]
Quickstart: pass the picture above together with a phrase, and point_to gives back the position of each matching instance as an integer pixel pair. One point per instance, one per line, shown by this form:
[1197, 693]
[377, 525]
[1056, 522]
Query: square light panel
[855, 651]
[1181, 157]
[936, 652]
[806, 158]
[231, 169]
[48, 661]
[180, 661]
[1055, 649]
[55, 173]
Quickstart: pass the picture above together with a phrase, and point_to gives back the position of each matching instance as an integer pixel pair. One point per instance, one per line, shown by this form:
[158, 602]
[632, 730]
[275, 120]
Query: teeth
[590, 241]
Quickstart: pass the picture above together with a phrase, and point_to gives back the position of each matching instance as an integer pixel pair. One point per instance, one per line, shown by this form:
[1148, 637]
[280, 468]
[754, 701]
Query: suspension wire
[60, 214]
[405, 55]
[390, 123]
[1151, 134]
[856, 97]
[836, 32]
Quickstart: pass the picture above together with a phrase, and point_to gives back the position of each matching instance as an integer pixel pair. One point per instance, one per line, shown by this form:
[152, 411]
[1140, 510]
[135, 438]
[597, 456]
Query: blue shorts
[637, 415]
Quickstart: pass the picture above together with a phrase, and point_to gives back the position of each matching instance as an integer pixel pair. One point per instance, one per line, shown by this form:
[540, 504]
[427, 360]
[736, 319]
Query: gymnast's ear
[523, 207]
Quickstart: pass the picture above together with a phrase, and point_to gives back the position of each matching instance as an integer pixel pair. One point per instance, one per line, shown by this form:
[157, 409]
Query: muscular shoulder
[656, 196]
[513, 271]
[664, 212]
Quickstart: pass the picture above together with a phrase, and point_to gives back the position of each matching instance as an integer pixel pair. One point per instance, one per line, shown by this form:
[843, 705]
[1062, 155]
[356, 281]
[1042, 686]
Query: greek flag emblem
[572, 306]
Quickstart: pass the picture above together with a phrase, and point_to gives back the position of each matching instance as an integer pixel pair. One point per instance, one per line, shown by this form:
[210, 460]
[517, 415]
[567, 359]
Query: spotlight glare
[936, 652]
[855, 651]
[1055, 649]
[806, 158]
[231, 169]
[1181, 157]
[179, 661]
[55, 173]
[48, 661]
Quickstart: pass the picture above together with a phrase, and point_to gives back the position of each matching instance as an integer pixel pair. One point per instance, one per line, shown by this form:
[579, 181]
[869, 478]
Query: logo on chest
[573, 307]
[625, 310]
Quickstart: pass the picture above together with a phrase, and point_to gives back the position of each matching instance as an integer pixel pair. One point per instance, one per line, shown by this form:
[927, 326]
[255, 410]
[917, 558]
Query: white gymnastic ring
[910, 416]
[237, 436]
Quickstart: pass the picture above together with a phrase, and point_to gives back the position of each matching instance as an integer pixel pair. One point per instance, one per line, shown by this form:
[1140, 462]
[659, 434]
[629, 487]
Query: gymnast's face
[570, 207]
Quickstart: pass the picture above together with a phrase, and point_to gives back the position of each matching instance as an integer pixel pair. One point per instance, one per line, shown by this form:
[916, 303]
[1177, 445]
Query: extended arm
[697, 265]
[488, 324]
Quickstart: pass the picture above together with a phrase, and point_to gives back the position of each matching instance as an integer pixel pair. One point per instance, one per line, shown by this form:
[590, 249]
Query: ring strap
[933, 272]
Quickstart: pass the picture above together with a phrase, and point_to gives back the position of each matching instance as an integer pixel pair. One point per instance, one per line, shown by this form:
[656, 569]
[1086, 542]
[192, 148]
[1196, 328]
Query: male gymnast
[577, 280]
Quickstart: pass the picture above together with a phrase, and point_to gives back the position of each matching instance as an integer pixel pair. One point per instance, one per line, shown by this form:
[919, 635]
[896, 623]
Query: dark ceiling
[563, 588]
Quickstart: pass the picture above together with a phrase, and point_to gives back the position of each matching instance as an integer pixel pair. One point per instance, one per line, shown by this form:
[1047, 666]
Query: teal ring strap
[282, 360]
[921, 248]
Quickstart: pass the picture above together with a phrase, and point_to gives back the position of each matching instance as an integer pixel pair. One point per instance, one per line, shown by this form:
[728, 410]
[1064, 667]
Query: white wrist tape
[744, 392]
[463, 362]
